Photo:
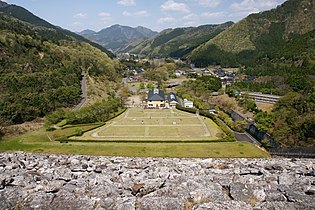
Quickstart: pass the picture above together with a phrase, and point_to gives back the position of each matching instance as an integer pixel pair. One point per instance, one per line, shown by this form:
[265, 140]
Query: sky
[78, 15]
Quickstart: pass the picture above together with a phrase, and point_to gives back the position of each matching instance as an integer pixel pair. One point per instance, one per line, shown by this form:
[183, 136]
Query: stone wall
[42, 181]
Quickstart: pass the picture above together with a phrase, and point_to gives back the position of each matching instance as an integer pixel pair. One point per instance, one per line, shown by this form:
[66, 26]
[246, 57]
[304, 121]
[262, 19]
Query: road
[245, 137]
[84, 94]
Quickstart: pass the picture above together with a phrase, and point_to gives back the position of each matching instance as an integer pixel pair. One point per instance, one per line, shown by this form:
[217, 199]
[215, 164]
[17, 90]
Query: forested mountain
[26, 16]
[41, 66]
[117, 36]
[276, 50]
[176, 42]
[279, 34]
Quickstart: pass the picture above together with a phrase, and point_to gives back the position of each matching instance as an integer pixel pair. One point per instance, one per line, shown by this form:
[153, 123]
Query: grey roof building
[171, 97]
[156, 95]
[156, 99]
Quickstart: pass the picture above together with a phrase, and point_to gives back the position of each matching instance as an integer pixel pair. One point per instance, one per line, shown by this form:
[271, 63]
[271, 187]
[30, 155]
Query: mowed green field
[156, 125]
[37, 142]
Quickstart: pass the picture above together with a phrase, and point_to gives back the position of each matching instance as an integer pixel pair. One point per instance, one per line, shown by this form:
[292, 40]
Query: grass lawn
[38, 142]
[156, 125]
[160, 131]
[213, 127]
[122, 131]
[71, 130]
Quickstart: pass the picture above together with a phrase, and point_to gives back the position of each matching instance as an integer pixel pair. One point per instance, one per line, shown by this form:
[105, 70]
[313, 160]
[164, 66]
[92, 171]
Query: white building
[188, 104]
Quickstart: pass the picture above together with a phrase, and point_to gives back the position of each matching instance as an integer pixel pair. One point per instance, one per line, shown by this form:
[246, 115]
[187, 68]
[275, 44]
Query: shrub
[78, 132]
[190, 110]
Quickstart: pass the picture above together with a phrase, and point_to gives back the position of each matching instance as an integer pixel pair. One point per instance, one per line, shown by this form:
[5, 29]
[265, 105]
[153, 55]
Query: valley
[253, 76]
[159, 105]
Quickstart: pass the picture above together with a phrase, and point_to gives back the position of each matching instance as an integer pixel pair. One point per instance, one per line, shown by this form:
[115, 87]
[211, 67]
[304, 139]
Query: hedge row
[190, 110]
[226, 129]
[80, 132]
[222, 125]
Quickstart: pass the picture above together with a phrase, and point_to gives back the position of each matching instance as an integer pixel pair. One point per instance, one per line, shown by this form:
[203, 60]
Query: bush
[190, 110]
[1, 133]
[55, 117]
[240, 125]
[50, 128]
[78, 132]
[265, 143]
[98, 112]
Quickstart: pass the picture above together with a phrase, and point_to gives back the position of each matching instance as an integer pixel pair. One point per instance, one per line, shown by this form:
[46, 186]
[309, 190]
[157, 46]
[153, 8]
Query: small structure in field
[188, 104]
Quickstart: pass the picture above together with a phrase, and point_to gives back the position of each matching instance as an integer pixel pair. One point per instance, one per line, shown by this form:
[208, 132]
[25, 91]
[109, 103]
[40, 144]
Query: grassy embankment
[38, 141]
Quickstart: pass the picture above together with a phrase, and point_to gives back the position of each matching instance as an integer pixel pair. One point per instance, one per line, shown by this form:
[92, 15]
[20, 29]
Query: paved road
[84, 94]
[245, 137]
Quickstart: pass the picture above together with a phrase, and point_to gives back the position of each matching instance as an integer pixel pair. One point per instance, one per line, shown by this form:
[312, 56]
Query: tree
[240, 125]
[55, 117]
[150, 86]
[124, 93]
[264, 121]
[142, 85]
[3, 124]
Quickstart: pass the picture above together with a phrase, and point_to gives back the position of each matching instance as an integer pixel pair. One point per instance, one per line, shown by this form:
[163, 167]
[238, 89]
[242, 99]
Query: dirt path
[203, 125]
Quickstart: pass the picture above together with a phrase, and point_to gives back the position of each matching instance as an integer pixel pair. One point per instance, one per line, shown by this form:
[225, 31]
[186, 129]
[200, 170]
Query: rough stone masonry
[45, 181]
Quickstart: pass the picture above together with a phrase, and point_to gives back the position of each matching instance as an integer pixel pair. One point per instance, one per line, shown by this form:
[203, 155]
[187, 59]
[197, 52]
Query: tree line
[40, 71]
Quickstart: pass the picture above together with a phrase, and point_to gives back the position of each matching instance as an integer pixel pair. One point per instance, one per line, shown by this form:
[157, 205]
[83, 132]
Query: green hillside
[176, 42]
[40, 69]
[26, 16]
[267, 35]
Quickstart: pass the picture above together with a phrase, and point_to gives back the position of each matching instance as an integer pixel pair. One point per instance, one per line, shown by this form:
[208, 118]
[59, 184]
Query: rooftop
[156, 95]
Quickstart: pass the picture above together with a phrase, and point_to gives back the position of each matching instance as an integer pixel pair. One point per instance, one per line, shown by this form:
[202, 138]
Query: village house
[188, 104]
[172, 99]
[191, 71]
[156, 99]
[179, 73]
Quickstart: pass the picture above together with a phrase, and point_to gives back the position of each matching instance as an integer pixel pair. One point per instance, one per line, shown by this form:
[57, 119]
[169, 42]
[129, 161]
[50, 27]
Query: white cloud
[104, 14]
[166, 20]
[246, 7]
[174, 6]
[254, 5]
[80, 16]
[191, 23]
[127, 2]
[209, 3]
[105, 17]
[191, 17]
[77, 24]
[213, 15]
[141, 13]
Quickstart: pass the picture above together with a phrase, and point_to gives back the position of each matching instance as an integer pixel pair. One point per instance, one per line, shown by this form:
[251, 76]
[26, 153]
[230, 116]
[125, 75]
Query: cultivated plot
[156, 125]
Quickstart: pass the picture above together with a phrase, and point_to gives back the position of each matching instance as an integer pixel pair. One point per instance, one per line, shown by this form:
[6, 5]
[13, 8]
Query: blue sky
[77, 15]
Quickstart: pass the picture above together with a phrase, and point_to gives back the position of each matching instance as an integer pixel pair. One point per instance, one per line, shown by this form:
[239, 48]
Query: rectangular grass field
[156, 125]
